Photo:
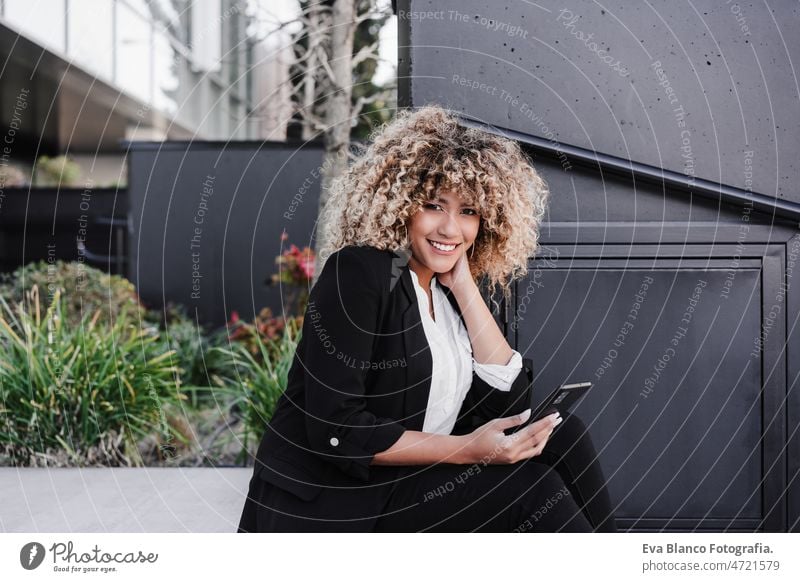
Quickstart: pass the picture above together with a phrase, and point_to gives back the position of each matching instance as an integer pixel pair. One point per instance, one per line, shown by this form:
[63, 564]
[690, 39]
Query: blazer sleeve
[340, 326]
[484, 402]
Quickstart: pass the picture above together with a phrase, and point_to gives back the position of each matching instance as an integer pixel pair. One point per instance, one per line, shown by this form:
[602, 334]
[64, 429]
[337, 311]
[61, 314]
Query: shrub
[83, 289]
[12, 177]
[260, 381]
[200, 355]
[57, 171]
[296, 272]
[81, 394]
[261, 338]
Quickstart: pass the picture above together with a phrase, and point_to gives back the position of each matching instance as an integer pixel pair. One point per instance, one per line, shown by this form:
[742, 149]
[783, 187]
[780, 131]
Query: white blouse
[453, 364]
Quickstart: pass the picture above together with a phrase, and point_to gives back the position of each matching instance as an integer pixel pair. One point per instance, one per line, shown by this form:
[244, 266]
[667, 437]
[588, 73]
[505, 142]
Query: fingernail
[525, 413]
[558, 421]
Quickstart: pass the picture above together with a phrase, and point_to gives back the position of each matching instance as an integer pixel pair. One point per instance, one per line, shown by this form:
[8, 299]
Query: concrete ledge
[122, 499]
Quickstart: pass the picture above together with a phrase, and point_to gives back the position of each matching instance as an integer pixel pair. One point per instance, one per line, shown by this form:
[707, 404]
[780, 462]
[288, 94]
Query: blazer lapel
[419, 360]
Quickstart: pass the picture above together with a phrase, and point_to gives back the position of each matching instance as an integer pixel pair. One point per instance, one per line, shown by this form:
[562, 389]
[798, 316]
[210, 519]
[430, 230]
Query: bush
[295, 274]
[201, 355]
[101, 380]
[260, 381]
[82, 394]
[83, 289]
[263, 337]
[12, 177]
[57, 171]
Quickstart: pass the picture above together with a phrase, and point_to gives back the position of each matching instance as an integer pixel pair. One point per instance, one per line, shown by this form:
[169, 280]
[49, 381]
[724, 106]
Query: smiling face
[440, 232]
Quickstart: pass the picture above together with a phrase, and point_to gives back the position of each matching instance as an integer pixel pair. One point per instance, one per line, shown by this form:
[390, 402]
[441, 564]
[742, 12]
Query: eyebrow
[443, 200]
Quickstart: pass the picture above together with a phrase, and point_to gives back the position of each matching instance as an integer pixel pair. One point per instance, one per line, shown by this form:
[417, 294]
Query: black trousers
[563, 489]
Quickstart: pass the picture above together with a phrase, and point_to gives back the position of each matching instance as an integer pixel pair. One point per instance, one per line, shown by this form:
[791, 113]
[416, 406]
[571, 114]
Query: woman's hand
[459, 276]
[488, 444]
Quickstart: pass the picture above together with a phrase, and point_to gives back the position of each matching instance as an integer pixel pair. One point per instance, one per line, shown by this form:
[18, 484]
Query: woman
[403, 386]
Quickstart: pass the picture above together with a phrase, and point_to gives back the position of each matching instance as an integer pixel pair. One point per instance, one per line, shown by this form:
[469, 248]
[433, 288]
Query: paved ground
[122, 500]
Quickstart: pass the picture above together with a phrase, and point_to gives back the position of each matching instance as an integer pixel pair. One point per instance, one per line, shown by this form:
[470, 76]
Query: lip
[441, 252]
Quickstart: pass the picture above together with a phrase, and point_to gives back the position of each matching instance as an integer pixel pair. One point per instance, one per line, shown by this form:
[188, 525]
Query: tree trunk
[310, 73]
[338, 106]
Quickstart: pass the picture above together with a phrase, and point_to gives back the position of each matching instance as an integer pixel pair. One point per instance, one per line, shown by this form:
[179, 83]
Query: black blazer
[361, 377]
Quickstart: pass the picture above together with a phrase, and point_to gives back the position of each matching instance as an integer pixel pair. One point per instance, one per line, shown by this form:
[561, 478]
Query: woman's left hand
[459, 277]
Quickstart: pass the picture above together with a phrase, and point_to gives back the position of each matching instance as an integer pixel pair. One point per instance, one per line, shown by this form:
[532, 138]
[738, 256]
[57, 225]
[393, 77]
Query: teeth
[441, 246]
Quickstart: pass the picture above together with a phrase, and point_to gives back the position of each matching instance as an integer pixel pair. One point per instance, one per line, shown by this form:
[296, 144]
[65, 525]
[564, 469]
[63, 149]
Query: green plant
[260, 382]
[262, 337]
[201, 356]
[83, 289]
[57, 171]
[12, 177]
[295, 272]
[83, 394]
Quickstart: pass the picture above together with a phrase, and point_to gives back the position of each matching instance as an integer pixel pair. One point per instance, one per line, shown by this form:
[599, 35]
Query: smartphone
[561, 400]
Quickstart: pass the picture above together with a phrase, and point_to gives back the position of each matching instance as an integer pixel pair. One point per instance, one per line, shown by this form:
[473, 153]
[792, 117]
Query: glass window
[173, 16]
[91, 36]
[134, 46]
[249, 73]
[167, 61]
[234, 47]
[141, 7]
[207, 35]
[44, 22]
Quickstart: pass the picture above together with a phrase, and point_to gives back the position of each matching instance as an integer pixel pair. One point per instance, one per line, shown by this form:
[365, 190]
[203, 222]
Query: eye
[431, 205]
[472, 211]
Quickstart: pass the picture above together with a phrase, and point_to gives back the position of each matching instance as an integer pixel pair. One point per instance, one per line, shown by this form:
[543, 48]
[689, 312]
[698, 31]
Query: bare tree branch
[359, 105]
[331, 75]
[365, 53]
[370, 16]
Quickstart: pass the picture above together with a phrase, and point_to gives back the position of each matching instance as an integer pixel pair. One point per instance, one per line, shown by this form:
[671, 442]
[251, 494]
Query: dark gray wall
[737, 87]
[694, 408]
[256, 192]
[40, 224]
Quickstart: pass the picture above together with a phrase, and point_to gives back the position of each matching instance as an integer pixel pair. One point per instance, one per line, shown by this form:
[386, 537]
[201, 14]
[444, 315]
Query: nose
[449, 227]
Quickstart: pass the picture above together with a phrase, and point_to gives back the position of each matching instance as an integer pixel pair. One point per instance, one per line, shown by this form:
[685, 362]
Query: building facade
[96, 73]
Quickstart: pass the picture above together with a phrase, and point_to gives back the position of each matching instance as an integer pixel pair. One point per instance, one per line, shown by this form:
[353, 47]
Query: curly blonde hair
[412, 157]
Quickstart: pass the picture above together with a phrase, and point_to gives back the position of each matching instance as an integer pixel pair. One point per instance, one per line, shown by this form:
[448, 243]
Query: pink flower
[307, 265]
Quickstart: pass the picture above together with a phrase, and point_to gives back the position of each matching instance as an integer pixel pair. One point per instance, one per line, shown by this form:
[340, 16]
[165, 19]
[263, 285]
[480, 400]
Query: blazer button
[334, 442]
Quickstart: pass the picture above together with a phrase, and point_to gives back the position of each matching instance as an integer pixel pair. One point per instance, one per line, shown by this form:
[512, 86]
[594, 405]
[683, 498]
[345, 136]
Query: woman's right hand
[488, 444]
